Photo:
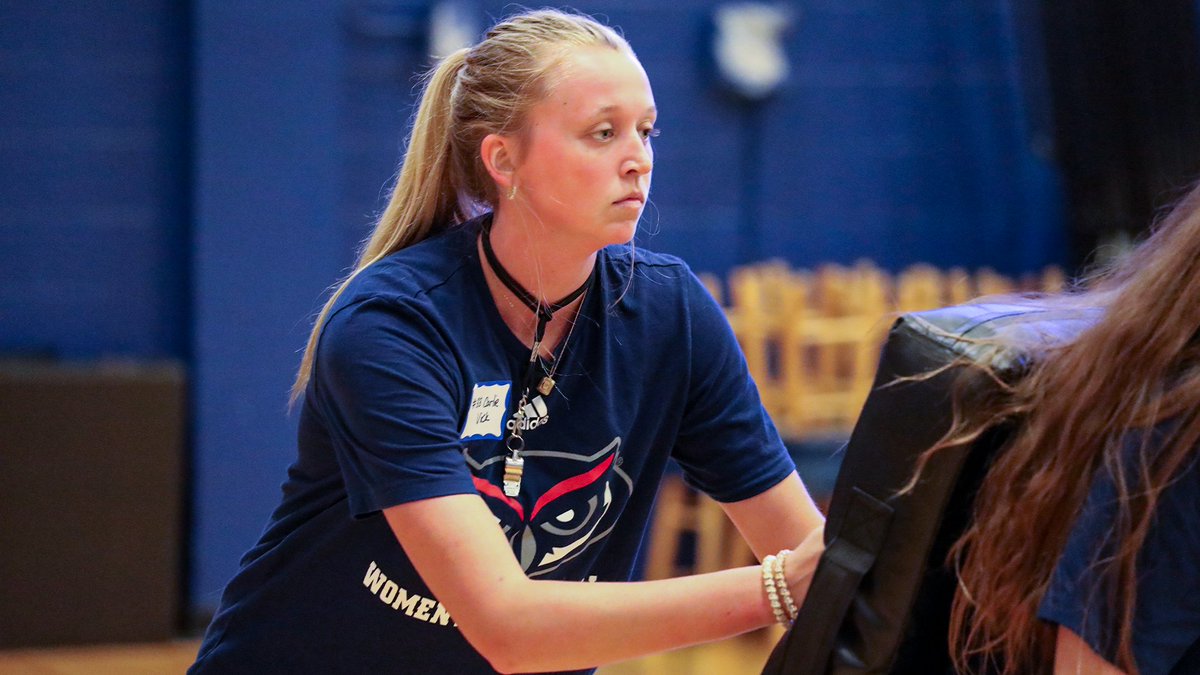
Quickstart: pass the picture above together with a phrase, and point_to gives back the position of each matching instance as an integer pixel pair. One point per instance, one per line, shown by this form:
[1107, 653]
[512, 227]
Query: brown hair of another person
[1075, 409]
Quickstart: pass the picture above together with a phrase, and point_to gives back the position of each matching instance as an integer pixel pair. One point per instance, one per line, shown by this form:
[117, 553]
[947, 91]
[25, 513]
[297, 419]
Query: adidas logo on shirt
[536, 415]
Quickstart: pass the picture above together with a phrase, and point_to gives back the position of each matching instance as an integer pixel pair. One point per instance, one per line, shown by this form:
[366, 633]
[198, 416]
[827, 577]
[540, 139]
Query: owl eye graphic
[571, 521]
[560, 549]
[565, 519]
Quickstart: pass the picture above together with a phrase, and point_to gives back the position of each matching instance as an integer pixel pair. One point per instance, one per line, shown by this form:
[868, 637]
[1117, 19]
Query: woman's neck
[545, 265]
[547, 269]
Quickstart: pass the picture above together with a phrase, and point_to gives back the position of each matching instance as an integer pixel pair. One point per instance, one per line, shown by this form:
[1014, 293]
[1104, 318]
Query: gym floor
[744, 655]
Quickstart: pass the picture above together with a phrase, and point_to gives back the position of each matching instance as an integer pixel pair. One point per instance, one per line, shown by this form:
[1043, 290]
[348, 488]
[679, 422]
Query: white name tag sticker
[489, 406]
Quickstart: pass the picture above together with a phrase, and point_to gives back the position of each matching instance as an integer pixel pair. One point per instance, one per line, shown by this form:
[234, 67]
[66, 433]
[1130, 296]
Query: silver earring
[512, 192]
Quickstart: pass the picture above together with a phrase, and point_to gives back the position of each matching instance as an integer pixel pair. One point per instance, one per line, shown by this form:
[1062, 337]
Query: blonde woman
[489, 401]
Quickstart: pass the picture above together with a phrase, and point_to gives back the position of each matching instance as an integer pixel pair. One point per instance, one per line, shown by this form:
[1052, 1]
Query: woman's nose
[641, 158]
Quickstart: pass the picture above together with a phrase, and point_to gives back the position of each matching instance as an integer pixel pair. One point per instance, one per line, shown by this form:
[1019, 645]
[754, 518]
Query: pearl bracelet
[776, 586]
[782, 585]
[768, 577]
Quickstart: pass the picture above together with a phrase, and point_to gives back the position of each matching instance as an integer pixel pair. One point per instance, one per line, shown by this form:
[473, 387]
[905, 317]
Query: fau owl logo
[549, 529]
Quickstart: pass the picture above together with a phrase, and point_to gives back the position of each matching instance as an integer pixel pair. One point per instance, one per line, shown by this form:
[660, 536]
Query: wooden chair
[829, 348]
[680, 515]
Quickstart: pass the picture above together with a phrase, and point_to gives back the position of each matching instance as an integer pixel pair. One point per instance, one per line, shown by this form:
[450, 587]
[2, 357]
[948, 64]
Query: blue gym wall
[185, 180]
[94, 174]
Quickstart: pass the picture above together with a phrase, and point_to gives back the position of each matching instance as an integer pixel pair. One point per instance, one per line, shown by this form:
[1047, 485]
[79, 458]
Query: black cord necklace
[514, 464]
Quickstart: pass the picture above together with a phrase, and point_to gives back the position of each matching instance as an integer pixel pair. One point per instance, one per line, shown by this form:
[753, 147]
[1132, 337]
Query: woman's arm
[779, 518]
[1073, 656]
[519, 624]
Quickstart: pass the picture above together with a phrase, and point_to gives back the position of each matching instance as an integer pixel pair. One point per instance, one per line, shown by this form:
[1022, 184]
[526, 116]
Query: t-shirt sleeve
[727, 445]
[1166, 627]
[387, 394]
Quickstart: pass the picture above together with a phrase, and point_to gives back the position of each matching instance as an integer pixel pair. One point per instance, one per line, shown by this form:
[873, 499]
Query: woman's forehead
[592, 81]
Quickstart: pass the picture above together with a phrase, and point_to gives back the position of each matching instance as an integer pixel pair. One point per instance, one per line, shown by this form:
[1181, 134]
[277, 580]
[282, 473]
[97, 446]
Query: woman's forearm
[562, 625]
[519, 624]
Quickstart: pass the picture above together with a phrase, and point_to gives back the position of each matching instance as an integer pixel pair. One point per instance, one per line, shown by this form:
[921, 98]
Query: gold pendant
[546, 386]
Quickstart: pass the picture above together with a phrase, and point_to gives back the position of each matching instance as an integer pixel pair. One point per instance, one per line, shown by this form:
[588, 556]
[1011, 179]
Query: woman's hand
[801, 563]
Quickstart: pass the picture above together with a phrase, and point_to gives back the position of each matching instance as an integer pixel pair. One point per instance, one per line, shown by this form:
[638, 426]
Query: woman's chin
[621, 232]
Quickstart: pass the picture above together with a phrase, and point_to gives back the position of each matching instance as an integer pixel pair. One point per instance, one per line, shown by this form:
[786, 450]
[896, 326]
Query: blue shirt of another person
[1166, 623]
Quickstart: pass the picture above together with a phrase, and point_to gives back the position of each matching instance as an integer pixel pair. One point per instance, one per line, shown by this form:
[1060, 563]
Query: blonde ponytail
[425, 196]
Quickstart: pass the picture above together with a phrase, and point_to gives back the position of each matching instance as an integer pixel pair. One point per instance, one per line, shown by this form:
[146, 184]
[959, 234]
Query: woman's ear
[498, 153]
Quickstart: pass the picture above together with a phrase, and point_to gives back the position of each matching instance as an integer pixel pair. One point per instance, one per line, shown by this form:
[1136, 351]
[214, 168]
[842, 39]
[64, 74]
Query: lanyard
[514, 464]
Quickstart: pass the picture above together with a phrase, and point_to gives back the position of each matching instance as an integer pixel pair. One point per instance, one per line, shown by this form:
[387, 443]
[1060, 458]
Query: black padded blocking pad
[880, 597]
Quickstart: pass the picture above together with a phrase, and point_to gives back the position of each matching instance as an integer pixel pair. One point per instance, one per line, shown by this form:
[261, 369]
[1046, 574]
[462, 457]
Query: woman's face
[585, 160]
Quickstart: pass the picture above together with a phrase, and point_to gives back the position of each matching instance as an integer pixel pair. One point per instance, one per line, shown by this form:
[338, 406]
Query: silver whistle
[514, 468]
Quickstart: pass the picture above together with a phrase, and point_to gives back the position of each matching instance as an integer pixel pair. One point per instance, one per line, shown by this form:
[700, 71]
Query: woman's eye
[603, 134]
[651, 132]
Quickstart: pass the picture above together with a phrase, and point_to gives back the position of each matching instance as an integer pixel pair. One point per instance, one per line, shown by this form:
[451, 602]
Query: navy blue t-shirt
[1166, 623]
[416, 378]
